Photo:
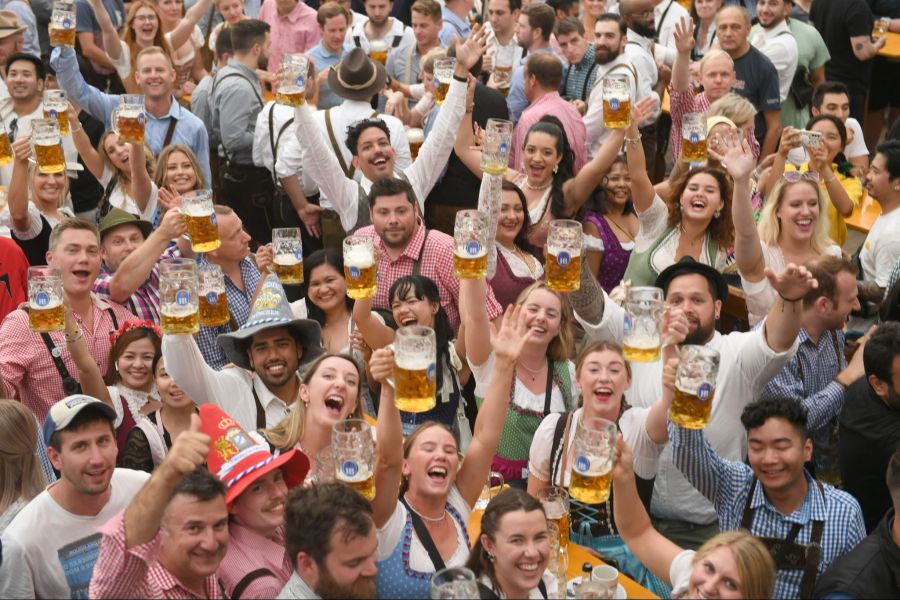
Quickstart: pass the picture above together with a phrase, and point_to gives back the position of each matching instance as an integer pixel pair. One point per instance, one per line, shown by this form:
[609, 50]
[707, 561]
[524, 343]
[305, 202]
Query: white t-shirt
[123, 63]
[61, 548]
[119, 199]
[522, 396]
[390, 535]
[680, 573]
[881, 249]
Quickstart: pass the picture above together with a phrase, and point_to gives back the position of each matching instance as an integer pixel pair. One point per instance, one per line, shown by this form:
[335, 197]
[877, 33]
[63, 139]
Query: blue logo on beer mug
[212, 218]
[354, 272]
[582, 463]
[627, 323]
[473, 248]
[503, 148]
[614, 103]
[42, 299]
[694, 138]
[431, 371]
[67, 24]
[298, 254]
[704, 391]
[212, 297]
[349, 468]
[300, 81]
[52, 113]
[140, 118]
[182, 298]
[563, 258]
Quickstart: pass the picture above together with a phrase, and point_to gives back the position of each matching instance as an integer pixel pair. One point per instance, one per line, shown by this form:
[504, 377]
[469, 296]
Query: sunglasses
[795, 176]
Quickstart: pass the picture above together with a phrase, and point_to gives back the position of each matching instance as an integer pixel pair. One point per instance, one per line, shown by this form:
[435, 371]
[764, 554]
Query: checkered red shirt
[26, 364]
[249, 551]
[134, 572]
[682, 103]
[437, 264]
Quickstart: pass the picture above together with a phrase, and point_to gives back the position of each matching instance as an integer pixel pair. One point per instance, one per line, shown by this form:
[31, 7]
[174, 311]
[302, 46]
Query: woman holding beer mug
[733, 564]
[792, 228]
[184, 38]
[511, 555]
[415, 300]
[427, 525]
[517, 263]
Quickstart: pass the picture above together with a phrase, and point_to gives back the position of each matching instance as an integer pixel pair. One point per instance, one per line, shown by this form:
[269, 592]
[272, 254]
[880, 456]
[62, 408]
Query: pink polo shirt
[297, 31]
[550, 104]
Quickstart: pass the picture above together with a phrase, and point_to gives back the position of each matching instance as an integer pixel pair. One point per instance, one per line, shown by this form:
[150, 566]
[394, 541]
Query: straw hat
[9, 24]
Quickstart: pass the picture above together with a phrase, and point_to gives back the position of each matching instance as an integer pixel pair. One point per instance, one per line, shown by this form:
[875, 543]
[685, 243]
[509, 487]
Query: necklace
[619, 227]
[534, 372]
[537, 188]
[424, 517]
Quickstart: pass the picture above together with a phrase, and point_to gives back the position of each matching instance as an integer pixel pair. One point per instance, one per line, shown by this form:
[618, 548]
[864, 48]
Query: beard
[647, 31]
[262, 62]
[603, 56]
[328, 588]
[701, 335]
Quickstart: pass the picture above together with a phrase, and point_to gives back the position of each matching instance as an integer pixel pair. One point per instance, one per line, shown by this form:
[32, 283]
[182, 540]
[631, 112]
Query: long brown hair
[601, 346]
[130, 38]
[559, 346]
[21, 475]
[159, 174]
[721, 229]
[121, 344]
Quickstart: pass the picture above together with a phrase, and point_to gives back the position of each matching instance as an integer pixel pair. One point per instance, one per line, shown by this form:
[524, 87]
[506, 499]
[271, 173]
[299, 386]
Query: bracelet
[633, 141]
[460, 79]
[789, 299]
[78, 335]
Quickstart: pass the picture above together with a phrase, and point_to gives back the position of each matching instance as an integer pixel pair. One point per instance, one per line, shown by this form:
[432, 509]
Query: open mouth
[539, 330]
[804, 224]
[334, 404]
[276, 368]
[537, 170]
[438, 474]
[380, 161]
[409, 321]
[603, 393]
[81, 275]
[698, 204]
[528, 567]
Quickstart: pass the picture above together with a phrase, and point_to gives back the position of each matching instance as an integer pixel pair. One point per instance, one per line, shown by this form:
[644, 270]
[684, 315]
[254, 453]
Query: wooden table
[892, 48]
[869, 209]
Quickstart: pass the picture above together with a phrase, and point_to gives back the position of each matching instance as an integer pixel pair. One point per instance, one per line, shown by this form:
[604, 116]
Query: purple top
[506, 285]
[615, 257]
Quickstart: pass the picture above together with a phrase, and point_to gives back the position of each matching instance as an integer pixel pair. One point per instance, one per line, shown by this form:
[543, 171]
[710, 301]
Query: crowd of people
[138, 461]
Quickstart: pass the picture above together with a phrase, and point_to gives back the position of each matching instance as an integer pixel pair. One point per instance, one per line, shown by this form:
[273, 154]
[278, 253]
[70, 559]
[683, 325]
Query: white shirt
[780, 47]
[746, 364]
[263, 141]
[290, 152]
[119, 199]
[398, 33]
[493, 44]
[423, 174]
[59, 547]
[881, 249]
[231, 389]
[522, 396]
[680, 573]
[665, 51]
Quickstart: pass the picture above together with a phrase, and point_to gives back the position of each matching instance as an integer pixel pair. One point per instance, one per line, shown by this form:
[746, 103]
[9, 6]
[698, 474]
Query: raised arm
[136, 268]
[89, 375]
[17, 197]
[819, 163]
[642, 192]
[684, 43]
[94, 102]
[578, 189]
[185, 27]
[89, 155]
[472, 295]
[465, 145]
[784, 318]
[111, 44]
[674, 331]
[389, 459]
[374, 331]
[588, 300]
[141, 186]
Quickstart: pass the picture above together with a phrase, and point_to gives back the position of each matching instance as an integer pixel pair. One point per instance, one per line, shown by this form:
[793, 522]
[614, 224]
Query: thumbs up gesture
[189, 450]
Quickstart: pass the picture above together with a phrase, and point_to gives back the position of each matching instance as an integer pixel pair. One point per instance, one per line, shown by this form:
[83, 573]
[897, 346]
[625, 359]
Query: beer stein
[353, 448]
[292, 87]
[200, 218]
[693, 137]
[595, 456]
[45, 142]
[6, 154]
[56, 106]
[443, 73]
[471, 236]
[564, 245]
[325, 465]
[178, 296]
[415, 137]
[62, 24]
[497, 144]
[559, 559]
[616, 90]
[503, 67]
[213, 301]
[556, 506]
[46, 311]
[643, 311]
[695, 387]
[453, 583]
[288, 255]
[490, 490]
[128, 118]
[378, 51]
[882, 25]
[415, 365]
[360, 270]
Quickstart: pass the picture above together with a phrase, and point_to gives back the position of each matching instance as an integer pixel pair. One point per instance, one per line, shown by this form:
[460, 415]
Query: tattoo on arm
[859, 46]
[588, 300]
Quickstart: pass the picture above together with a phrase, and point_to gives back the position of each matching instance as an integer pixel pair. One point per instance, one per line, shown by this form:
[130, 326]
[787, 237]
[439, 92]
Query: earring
[490, 557]
[718, 213]
[555, 169]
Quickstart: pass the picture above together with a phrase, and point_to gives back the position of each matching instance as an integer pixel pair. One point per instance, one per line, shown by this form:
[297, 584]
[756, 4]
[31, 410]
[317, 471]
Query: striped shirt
[249, 551]
[144, 302]
[726, 483]
[684, 102]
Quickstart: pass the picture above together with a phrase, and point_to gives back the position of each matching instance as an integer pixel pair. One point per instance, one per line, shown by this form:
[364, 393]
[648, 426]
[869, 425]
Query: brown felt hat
[9, 24]
[357, 77]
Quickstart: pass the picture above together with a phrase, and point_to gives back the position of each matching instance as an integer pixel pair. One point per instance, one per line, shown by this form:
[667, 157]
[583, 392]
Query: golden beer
[504, 90]
[414, 149]
[291, 96]
[641, 349]
[693, 149]
[416, 138]
[130, 128]
[414, 389]
[379, 55]
[6, 154]
[357, 476]
[440, 91]
[213, 309]
[691, 410]
[469, 267]
[176, 320]
[591, 487]
[361, 281]
[563, 272]
[288, 269]
[559, 516]
[60, 36]
[616, 113]
[50, 317]
[60, 115]
[50, 158]
[202, 230]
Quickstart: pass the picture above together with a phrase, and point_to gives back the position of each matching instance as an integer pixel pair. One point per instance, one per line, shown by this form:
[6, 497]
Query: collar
[174, 111]
[99, 303]
[414, 247]
[170, 583]
[298, 588]
[812, 509]
[449, 15]
[354, 107]
[320, 47]
[247, 267]
[548, 97]
[643, 42]
[236, 64]
[299, 12]
[266, 397]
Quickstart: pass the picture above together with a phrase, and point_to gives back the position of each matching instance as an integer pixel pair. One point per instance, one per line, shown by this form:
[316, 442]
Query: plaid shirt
[578, 80]
[27, 367]
[249, 551]
[682, 103]
[238, 307]
[436, 263]
[134, 572]
[144, 302]
[726, 483]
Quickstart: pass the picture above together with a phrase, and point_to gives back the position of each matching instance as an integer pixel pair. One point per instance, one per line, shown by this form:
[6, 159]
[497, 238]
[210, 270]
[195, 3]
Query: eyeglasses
[147, 18]
[795, 176]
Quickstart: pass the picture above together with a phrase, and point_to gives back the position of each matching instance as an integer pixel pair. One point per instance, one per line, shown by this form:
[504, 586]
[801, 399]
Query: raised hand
[381, 365]
[792, 283]
[22, 148]
[512, 336]
[168, 199]
[265, 258]
[790, 139]
[736, 156]
[173, 223]
[468, 52]
[684, 35]
[624, 466]
[675, 327]
[644, 110]
[189, 450]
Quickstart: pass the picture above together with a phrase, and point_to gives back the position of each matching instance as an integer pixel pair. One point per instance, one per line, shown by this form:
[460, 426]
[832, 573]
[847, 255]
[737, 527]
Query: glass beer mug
[360, 270]
[415, 366]
[46, 311]
[178, 295]
[695, 387]
[128, 118]
[378, 51]
[62, 24]
[497, 144]
[556, 506]
[565, 243]
[200, 218]
[292, 87]
[45, 141]
[643, 310]
[443, 73]
[470, 235]
[415, 137]
[503, 67]
[287, 255]
[6, 155]
[353, 448]
[693, 138]
[616, 90]
[595, 455]
[213, 301]
[452, 583]
[56, 106]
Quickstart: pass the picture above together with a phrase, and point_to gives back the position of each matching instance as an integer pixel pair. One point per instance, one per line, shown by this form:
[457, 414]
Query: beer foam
[415, 136]
[554, 510]
[572, 252]
[177, 311]
[52, 303]
[359, 257]
[287, 260]
[644, 342]
[414, 363]
[193, 210]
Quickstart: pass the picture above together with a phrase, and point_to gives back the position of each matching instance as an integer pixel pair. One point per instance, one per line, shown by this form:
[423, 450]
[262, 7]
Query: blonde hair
[740, 110]
[769, 226]
[714, 54]
[159, 173]
[32, 173]
[754, 563]
[288, 432]
[126, 177]
[561, 346]
[431, 56]
[21, 475]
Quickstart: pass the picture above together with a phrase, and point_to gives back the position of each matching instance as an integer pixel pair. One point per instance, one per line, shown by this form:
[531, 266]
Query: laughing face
[170, 394]
[776, 452]
[260, 506]
[798, 212]
[521, 549]
[512, 216]
[691, 293]
[275, 356]
[332, 393]
[22, 80]
[48, 189]
[603, 380]
[618, 183]
[135, 363]
[326, 287]
[77, 254]
[543, 315]
[716, 575]
[374, 154]
[155, 76]
[541, 157]
[145, 25]
[86, 458]
[180, 174]
[701, 198]
[119, 152]
[411, 310]
[194, 536]
[432, 462]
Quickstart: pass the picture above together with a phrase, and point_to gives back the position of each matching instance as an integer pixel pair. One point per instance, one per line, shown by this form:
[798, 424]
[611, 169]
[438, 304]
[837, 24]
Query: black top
[36, 248]
[869, 434]
[838, 21]
[757, 81]
[85, 189]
